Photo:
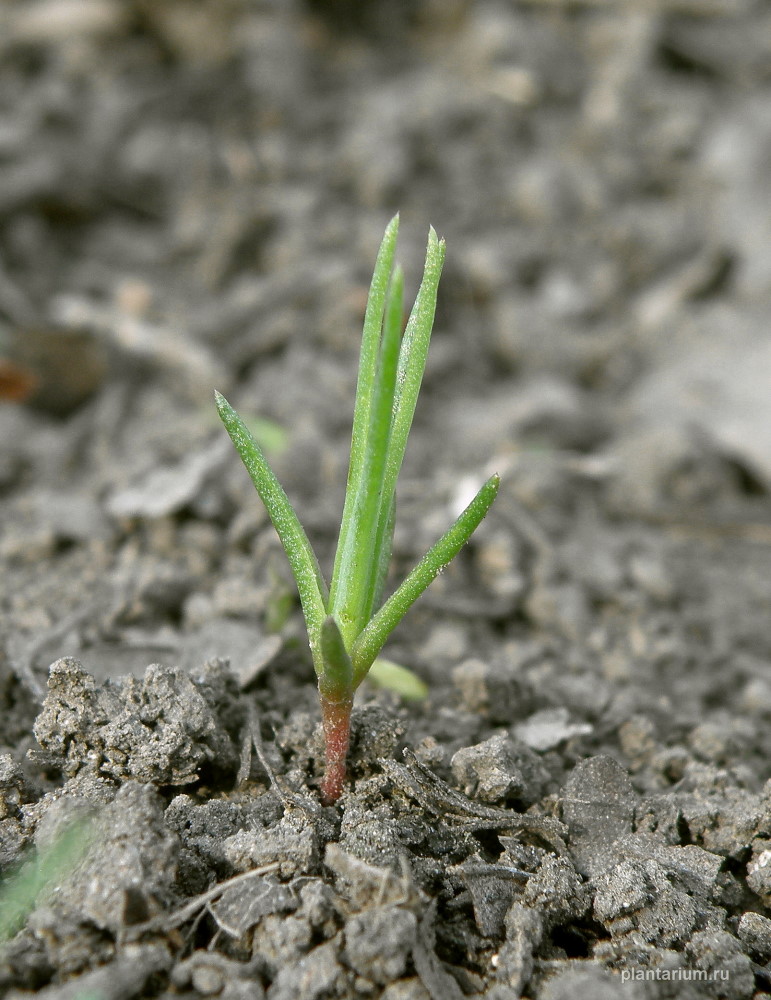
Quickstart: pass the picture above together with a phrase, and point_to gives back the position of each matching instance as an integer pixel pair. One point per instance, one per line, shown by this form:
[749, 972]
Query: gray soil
[191, 197]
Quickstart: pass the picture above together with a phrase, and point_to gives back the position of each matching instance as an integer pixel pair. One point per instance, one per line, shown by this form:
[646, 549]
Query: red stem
[336, 717]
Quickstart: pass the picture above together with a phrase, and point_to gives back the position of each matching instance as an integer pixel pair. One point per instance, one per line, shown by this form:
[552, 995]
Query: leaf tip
[392, 228]
[434, 239]
[490, 489]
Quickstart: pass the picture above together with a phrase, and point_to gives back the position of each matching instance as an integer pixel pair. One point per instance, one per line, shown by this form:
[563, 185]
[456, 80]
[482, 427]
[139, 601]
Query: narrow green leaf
[365, 391]
[414, 350]
[375, 595]
[389, 360]
[363, 564]
[373, 323]
[383, 515]
[302, 559]
[372, 639]
[411, 366]
[336, 682]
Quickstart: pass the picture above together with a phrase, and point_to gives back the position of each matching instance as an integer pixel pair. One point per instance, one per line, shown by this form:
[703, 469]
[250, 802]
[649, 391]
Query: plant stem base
[336, 718]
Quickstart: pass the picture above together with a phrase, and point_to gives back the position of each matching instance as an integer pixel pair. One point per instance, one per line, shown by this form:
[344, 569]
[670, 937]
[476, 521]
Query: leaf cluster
[348, 622]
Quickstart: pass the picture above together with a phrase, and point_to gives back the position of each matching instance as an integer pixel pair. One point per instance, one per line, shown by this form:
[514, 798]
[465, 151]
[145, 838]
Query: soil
[191, 197]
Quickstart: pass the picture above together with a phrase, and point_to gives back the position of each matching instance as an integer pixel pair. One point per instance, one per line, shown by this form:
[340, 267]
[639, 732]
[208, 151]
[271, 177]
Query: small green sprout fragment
[26, 888]
[394, 677]
[348, 624]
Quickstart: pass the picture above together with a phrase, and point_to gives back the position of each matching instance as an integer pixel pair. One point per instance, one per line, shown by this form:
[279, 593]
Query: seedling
[347, 623]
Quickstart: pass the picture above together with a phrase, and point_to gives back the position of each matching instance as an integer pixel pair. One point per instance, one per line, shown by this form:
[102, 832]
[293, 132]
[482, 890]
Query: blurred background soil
[192, 194]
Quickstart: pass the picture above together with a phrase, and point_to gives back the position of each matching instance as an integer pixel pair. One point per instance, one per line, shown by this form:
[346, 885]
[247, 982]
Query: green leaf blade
[365, 565]
[371, 422]
[411, 366]
[414, 349]
[302, 559]
[380, 575]
[372, 639]
[384, 515]
[398, 379]
[373, 323]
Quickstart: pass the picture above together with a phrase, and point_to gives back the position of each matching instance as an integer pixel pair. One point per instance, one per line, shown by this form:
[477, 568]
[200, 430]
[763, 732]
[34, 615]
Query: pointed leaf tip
[433, 237]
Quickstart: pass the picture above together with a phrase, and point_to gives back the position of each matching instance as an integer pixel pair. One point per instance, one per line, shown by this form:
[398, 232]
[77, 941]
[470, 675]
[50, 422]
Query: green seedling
[348, 623]
[24, 890]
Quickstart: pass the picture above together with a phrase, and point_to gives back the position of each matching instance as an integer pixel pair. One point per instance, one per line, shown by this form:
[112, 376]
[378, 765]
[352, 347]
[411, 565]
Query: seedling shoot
[348, 623]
